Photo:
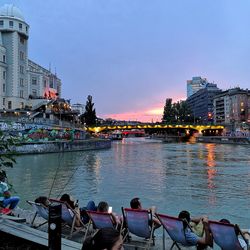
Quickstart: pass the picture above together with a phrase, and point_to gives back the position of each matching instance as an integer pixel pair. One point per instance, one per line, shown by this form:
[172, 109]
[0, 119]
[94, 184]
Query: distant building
[23, 83]
[201, 103]
[232, 107]
[195, 85]
[78, 107]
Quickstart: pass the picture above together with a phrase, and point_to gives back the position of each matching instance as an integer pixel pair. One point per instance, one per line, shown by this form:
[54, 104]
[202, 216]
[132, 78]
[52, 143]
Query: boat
[116, 135]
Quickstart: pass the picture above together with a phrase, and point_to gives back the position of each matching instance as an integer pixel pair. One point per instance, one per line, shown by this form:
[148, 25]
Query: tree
[176, 112]
[6, 158]
[168, 114]
[89, 116]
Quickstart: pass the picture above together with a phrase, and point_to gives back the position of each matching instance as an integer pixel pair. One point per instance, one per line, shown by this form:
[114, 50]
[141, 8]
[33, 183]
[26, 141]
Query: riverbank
[59, 146]
[237, 140]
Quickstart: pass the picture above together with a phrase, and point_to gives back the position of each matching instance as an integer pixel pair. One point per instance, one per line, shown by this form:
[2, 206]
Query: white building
[23, 83]
[78, 107]
[195, 85]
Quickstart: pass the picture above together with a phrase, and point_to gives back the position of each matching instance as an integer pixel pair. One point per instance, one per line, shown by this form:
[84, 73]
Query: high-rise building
[232, 107]
[22, 82]
[195, 84]
[201, 103]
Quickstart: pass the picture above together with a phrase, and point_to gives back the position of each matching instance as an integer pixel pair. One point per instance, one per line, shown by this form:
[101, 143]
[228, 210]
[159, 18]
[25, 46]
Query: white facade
[78, 107]
[19, 78]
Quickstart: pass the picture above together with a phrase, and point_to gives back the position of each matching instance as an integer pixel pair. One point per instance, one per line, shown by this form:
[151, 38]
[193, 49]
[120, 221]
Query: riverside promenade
[21, 236]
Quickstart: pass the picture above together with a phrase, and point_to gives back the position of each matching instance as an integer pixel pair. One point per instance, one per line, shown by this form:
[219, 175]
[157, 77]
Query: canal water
[211, 179]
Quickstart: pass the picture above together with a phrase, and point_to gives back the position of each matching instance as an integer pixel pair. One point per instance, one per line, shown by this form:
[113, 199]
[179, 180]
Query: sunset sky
[131, 55]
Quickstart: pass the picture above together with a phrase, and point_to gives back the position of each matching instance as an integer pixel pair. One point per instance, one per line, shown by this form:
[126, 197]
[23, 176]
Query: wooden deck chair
[41, 210]
[174, 228]
[100, 220]
[68, 217]
[139, 223]
[225, 236]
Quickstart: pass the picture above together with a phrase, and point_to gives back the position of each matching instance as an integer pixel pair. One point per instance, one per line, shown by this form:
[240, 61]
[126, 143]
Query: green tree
[89, 116]
[6, 158]
[168, 112]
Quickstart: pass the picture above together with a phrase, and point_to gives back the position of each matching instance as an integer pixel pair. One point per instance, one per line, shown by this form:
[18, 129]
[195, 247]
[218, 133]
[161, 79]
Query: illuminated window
[242, 104]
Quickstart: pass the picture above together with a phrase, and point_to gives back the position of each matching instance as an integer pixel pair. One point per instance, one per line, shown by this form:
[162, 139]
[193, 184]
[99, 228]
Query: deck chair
[137, 222]
[174, 228]
[68, 217]
[225, 237]
[41, 210]
[99, 220]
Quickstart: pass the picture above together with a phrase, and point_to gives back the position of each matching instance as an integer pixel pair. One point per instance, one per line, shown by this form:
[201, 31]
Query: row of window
[11, 25]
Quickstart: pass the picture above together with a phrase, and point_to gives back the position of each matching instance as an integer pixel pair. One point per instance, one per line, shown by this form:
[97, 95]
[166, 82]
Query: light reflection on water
[203, 178]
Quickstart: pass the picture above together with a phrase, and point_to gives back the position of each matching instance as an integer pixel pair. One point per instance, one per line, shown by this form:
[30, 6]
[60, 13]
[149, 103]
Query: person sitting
[43, 200]
[103, 207]
[105, 238]
[192, 238]
[81, 215]
[135, 203]
[245, 232]
[6, 200]
[72, 205]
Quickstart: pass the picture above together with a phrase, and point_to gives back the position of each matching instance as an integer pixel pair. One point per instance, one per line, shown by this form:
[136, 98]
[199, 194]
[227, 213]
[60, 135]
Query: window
[21, 105]
[4, 87]
[21, 93]
[11, 24]
[44, 83]
[21, 69]
[21, 55]
[9, 105]
[3, 101]
[4, 58]
[1, 22]
[34, 92]
[22, 41]
[21, 82]
[4, 75]
[26, 29]
[34, 81]
[20, 26]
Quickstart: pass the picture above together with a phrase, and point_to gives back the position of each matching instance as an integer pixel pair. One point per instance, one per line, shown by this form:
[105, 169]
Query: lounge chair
[174, 228]
[137, 222]
[69, 216]
[225, 237]
[100, 220]
[41, 210]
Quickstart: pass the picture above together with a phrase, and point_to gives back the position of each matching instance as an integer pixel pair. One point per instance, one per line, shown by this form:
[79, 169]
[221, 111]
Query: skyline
[132, 55]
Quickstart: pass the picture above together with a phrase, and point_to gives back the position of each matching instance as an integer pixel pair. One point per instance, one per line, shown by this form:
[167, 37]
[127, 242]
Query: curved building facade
[20, 85]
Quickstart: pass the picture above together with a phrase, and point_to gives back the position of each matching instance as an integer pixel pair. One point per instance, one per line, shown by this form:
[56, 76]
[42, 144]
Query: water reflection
[171, 176]
[211, 170]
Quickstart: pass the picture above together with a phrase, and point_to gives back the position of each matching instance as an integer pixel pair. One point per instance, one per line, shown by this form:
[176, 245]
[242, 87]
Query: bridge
[159, 127]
